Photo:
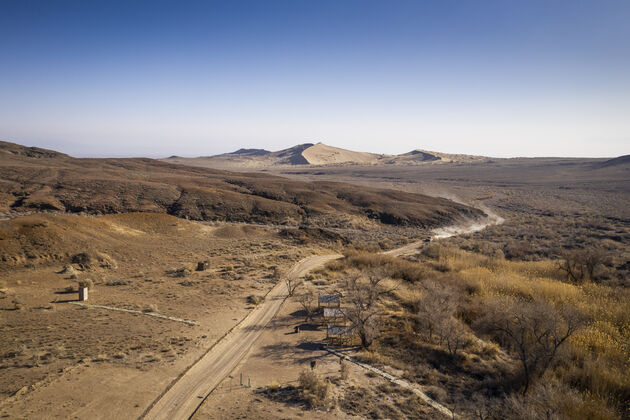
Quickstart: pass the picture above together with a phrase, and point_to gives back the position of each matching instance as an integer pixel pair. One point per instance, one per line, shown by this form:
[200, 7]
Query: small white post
[83, 293]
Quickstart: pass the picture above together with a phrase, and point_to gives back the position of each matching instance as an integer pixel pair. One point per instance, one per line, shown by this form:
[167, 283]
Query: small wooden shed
[333, 315]
[339, 334]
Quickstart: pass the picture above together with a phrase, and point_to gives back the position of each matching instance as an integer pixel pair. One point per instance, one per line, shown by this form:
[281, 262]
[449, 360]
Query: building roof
[329, 299]
[339, 330]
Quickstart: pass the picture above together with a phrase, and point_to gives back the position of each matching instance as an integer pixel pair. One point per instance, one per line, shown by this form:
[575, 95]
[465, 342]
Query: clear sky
[498, 78]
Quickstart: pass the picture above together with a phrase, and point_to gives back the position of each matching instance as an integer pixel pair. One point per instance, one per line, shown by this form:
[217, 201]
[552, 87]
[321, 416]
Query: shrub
[344, 370]
[391, 266]
[86, 283]
[83, 259]
[554, 401]
[314, 389]
[534, 330]
[151, 308]
[386, 244]
[581, 265]
[436, 393]
[432, 251]
[519, 250]
[119, 282]
[180, 272]
[254, 299]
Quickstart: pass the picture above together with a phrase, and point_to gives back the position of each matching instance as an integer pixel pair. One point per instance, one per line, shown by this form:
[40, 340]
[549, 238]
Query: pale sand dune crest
[321, 154]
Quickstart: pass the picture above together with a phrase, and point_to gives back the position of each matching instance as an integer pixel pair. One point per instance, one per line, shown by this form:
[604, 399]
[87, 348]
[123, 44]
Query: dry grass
[600, 352]
[392, 266]
[139, 280]
[314, 390]
[273, 386]
[86, 283]
[255, 299]
[592, 364]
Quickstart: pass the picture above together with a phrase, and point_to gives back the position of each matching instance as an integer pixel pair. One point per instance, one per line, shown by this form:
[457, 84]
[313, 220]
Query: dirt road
[404, 250]
[447, 232]
[182, 399]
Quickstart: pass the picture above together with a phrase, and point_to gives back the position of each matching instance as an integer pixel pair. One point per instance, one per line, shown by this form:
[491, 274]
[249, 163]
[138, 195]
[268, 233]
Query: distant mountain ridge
[251, 152]
[318, 154]
[621, 160]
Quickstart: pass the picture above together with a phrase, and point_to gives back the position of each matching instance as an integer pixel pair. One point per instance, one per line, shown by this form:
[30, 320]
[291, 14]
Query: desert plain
[201, 271]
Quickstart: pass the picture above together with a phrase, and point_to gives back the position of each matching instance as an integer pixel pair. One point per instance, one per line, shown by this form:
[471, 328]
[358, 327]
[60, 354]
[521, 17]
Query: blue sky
[499, 78]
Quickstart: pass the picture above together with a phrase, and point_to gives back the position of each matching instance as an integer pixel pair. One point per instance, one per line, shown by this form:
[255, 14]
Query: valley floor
[60, 360]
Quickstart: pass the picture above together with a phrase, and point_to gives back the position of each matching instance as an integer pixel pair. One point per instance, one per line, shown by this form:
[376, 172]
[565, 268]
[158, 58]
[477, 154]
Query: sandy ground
[182, 399]
[278, 357]
[59, 360]
[321, 154]
[112, 388]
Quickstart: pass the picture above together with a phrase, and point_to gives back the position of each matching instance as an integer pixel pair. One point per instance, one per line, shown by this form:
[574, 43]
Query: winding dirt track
[186, 395]
[183, 398]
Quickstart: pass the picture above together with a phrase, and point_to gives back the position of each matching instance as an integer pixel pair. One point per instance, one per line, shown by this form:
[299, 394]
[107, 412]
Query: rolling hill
[39, 179]
[618, 161]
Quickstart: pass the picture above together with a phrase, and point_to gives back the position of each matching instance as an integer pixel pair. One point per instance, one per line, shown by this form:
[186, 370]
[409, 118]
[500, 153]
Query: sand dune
[318, 154]
[321, 154]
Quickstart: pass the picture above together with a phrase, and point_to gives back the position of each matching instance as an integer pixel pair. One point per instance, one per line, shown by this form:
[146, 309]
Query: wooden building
[329, 301]
[334, 316]
[339, 334]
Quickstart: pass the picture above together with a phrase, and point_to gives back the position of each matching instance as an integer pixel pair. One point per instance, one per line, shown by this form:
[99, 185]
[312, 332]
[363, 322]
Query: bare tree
[454, 336]
[571, 263]
[364, 294]
[307, 301]
[593, 259]
[533, 330]
[435, 310]
[435, 317]
[543, 402]
[292, 283]
[375, 277]
[580, 265]
[478, 405]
